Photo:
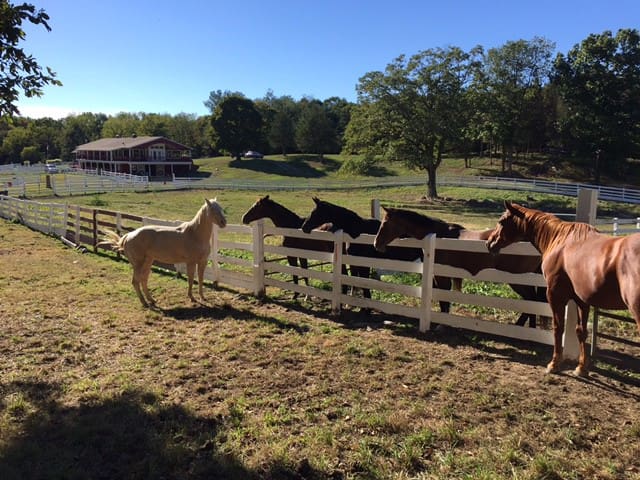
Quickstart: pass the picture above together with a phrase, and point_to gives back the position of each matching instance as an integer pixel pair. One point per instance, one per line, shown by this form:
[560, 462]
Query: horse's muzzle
[379, 247]
[493, 247]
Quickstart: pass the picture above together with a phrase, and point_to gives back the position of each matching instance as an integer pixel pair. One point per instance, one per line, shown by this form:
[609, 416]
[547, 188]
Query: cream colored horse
[188, 243]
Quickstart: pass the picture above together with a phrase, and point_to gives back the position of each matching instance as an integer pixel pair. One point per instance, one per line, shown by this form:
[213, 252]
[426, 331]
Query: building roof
[108, 144]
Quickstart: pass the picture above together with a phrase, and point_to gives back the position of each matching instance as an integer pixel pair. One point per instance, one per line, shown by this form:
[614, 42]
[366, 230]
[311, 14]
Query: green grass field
[94, 386]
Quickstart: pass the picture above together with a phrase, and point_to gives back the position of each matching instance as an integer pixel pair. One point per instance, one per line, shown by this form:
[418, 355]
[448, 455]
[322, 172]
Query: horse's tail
[111, 239]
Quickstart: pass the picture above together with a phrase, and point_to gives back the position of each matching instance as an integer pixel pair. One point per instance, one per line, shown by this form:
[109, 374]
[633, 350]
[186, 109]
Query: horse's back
[164, 243]
[604, 271]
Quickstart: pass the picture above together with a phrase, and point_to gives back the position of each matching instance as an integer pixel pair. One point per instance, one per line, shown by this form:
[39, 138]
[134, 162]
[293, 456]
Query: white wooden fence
[243, 259]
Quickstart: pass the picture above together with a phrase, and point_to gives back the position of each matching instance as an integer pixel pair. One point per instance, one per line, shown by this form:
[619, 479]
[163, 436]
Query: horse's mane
[348, 220]
[415, 217]
[200, 216]
[551, 230]
[292, 216]
[343, 213]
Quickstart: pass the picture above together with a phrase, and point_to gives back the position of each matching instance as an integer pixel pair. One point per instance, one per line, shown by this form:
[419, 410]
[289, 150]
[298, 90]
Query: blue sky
[165, 57]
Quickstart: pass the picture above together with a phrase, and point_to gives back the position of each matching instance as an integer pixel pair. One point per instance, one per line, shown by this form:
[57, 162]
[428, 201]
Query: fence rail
[29, 183]
[242, 258]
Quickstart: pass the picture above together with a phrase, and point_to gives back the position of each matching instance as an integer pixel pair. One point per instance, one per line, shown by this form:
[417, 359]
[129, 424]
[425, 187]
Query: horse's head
[387, 231]
[257, 210]
[215, 211]
[508, 229]
[320, 214]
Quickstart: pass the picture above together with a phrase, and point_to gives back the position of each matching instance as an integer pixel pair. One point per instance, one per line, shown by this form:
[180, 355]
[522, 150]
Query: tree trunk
[431, 182]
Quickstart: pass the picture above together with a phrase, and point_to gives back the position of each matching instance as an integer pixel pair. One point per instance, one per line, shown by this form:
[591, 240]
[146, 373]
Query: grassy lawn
[94, 386]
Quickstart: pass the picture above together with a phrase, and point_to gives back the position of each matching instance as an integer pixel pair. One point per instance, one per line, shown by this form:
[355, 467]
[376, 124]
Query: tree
[20, 71]
[123, 124]
[414, 108]
[281, 130]
[236, 125]
[31, 155]
[599, 84]
[339, 113]
[14, 142]
[217, 96]
[78, 130]
[512, 80]
[314, 132]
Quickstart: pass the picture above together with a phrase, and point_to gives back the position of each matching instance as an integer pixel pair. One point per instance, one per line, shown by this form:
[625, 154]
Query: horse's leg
[201, 268]
[582, 369]
[558, 309]
[135, 281]
[527, 292]
[293, 262]
[145, 271]
[304, 264]
[362, 272]
[443, 283]
[191, 269]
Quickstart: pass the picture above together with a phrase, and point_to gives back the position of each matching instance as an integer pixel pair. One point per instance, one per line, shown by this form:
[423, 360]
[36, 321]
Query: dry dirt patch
[94, 386]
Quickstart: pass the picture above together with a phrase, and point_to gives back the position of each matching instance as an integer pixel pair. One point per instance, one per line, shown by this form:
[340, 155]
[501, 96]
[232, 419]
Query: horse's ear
[384, 208]
[207, 201]
[514, 208]
[316, 200]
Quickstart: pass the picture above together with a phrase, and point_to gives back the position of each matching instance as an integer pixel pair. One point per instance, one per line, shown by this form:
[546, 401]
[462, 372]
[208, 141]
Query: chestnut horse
[579, 264]
[398, 223]
[189, 242]
[282, 217]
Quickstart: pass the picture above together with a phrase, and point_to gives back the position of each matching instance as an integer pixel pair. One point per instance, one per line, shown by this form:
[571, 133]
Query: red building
[150, 156]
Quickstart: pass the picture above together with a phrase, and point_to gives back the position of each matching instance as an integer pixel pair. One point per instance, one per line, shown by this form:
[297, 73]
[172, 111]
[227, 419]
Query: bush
[358, 165]
[30, 154]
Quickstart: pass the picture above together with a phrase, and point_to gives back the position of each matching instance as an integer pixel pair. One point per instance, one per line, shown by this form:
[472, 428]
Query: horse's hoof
[551, 368]
[581, 372]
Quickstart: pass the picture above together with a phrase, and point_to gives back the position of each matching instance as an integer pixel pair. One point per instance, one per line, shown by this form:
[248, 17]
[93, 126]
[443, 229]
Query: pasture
[93, 385]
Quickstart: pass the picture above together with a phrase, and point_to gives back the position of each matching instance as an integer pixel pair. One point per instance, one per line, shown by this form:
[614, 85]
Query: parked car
[252, 154]
[51, 168]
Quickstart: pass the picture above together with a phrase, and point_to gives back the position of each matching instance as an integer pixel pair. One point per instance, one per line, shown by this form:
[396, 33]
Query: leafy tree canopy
[237, 125]
[20, 71]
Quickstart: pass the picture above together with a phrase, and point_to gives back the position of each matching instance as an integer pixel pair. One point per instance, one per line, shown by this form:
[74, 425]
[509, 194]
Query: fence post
[95, 231]
[65, 220]
[615, 226]
[258, 258]
[215, 265]
[336, 303]
[77, 225]
[587, 206]
[426, 293]
[375, 208]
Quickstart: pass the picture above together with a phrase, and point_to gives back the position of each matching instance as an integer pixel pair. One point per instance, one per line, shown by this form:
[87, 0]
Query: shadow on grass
[295, 166]
[133, 435]
[226, 310]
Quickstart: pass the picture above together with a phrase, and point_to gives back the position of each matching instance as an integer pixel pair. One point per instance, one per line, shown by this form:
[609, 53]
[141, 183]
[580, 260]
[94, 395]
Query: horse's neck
[546, 231]
[285, 218]
[201, 225]
[354, 224]
[442, 230]
[465, 234]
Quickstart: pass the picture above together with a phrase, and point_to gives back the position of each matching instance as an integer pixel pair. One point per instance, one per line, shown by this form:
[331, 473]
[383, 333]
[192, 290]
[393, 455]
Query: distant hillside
[311, 166]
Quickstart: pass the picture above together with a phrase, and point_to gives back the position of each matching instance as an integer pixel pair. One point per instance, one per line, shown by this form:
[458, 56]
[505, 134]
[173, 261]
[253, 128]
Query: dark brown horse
[282, 217]
[398, 223]
[353, 224]
[579, 264]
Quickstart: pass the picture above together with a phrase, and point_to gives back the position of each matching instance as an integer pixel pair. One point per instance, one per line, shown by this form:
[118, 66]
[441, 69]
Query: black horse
[282, 217]
[353, 224]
